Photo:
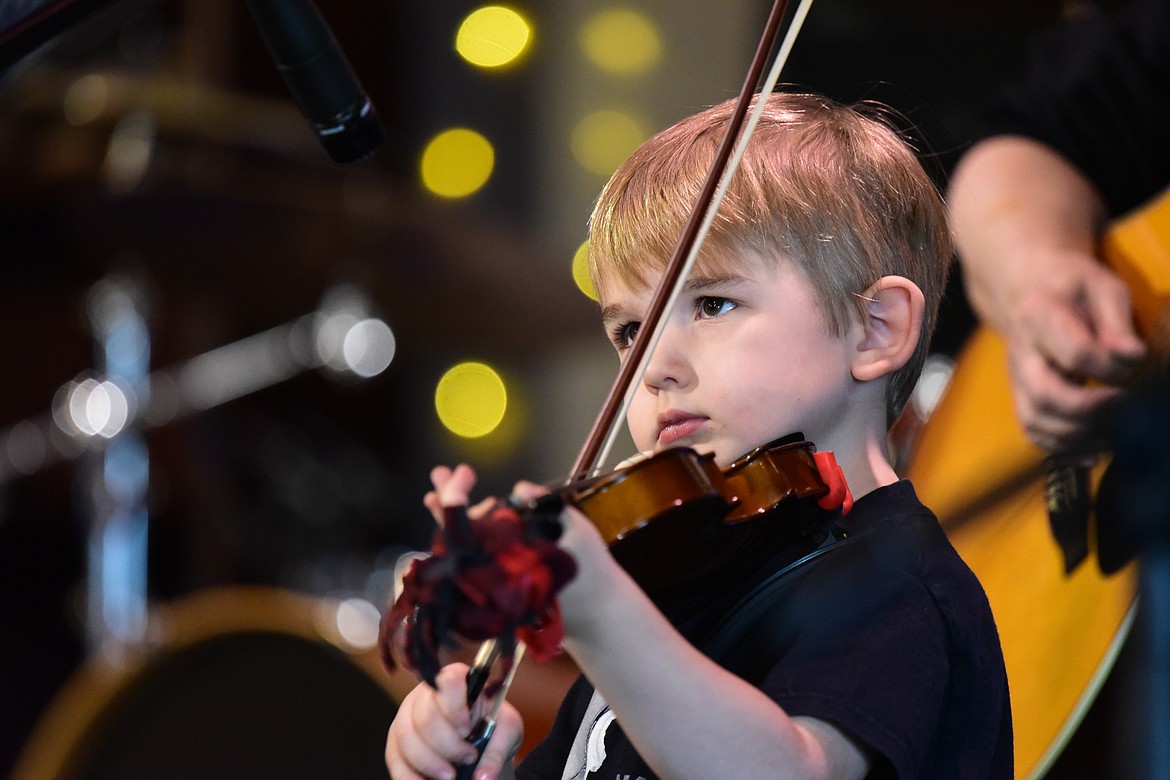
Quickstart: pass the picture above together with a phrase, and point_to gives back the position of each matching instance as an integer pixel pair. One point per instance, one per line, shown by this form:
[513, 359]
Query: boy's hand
[428, 736]
[598, 578]
[453, 488]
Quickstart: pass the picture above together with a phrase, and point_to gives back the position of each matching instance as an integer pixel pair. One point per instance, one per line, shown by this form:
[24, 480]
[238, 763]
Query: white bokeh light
[98, 408]
[368, 347]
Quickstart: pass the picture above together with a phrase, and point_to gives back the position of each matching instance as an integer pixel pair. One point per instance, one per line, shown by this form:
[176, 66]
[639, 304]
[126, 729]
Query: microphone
[319, 77]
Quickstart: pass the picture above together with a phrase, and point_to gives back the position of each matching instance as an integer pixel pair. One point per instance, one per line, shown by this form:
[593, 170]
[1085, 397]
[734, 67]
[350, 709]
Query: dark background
[242, 223]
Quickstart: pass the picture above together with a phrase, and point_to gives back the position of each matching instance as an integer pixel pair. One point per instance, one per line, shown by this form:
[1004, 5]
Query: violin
[674, 515]
[668, 519]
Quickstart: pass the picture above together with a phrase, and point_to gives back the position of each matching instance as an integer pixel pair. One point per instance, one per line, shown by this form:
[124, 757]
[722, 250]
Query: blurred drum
[239, 683]
[243, 683]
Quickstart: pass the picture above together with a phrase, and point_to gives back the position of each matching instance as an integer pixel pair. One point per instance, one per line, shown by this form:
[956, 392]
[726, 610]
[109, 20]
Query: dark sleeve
[873, 660]
[894, 643]
[1098, 91]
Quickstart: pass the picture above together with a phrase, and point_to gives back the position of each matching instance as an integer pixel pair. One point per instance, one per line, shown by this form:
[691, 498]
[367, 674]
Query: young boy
[809, 311]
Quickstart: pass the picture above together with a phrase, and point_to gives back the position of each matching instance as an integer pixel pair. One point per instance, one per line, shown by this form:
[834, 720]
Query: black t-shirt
[886, 634]
[1098, 90]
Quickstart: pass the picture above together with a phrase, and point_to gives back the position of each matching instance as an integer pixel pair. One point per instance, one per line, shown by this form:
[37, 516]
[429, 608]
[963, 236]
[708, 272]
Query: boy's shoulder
[889, 553]
[889, 505]
[891, 572]
[890, 615]
[896, 535]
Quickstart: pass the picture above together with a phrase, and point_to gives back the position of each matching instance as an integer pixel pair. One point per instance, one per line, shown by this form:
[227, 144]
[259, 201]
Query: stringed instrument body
[973, 465]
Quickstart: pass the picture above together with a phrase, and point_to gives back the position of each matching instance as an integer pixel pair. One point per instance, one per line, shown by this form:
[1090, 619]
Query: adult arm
[1026, 223]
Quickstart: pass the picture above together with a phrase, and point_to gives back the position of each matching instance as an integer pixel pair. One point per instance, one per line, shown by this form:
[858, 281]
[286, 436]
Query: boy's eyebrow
[702, 282]
[614, 311]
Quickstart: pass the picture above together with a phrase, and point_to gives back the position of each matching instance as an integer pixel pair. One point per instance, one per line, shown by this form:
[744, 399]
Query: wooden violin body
[675, 515]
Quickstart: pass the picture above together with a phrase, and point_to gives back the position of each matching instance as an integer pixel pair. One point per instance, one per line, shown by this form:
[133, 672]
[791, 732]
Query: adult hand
[1026, 225]
[1071, 347]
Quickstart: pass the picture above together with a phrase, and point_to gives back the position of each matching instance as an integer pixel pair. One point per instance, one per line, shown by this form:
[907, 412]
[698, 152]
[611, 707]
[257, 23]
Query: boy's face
[746, 358]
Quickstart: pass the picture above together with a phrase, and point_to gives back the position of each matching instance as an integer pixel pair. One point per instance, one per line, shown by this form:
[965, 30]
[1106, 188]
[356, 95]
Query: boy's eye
[624, 335]
[713, 307]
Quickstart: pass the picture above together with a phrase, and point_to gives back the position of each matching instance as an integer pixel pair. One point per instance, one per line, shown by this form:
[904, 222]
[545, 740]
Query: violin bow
[604, 430]
[727, 158]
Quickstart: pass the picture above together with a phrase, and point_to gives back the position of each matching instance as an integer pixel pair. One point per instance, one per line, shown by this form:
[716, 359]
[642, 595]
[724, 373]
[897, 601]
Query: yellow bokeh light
[603, 139]
[621, 41]
[471, 399]
[581, 271]
[457, 163]
[492, 36]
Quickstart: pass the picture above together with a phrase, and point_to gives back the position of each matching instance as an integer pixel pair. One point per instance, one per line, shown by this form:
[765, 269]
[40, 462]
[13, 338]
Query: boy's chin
[723, 458]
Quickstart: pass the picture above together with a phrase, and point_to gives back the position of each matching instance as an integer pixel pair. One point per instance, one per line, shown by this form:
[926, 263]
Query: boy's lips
[674, 426]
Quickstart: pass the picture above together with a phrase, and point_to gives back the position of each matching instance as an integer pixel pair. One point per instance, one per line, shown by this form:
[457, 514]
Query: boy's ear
[893, 307]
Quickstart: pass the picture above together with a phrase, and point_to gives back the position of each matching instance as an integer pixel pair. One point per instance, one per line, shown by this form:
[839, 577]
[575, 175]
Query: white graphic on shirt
[587, 754]
[588, 750]
[595, 748]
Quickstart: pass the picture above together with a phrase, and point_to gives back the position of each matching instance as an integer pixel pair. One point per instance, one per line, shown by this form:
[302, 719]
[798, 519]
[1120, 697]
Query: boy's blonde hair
[835, 190]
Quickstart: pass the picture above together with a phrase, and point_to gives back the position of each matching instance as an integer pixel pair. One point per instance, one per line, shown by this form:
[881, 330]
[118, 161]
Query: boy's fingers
[412, 759]
[451, 697]
[415, 738]
[525, 492]
[439, 475]
[482, 508]
[440, 724]
[504, 744]
[453, 486]
[431, 502]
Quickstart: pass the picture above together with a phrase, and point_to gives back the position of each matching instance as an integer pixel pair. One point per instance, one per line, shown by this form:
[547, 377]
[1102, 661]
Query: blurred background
[229, 362]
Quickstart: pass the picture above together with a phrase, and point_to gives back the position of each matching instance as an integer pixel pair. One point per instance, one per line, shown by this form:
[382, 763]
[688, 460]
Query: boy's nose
[668, 366]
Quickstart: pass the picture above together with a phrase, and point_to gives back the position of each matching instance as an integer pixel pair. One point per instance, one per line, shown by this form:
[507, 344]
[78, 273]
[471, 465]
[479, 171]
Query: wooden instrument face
[675, 517]
[976, 469]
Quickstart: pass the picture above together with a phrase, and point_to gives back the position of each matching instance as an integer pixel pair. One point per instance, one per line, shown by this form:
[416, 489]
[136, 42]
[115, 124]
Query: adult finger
[1110, 311]
[1086, 332]
[1059, 332]
[1054, 410]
